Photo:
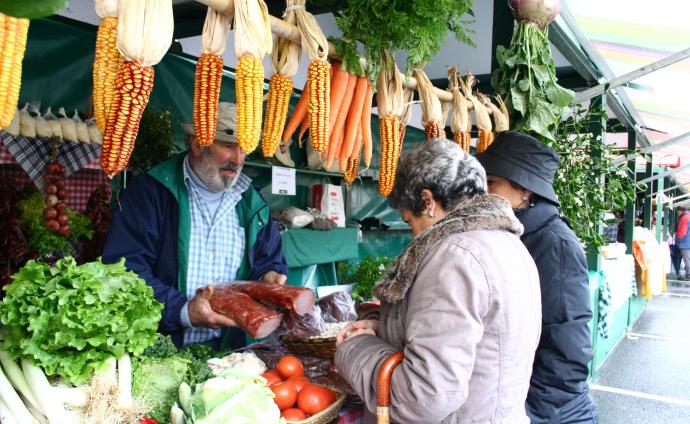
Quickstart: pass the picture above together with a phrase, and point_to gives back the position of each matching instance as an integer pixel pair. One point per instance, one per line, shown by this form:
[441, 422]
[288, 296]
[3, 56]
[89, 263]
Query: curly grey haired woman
[461, 301]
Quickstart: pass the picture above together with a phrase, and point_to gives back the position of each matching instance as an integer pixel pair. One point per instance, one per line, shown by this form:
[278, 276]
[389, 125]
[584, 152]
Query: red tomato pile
[295, 395]
[57, 220]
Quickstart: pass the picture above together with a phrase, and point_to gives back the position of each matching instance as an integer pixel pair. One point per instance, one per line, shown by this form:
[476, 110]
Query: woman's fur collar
[485, 212]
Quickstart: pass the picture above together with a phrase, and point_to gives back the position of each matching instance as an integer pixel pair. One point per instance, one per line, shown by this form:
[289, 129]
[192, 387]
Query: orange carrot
[336, 138]
[366, 127]
[297, 115]
[338, 88]
[342, 160]
[303, 128]
[354, 118]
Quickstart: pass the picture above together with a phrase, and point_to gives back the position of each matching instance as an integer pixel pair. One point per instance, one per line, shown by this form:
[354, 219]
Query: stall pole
[598, 129]
[631, 206]
[659, 209]
[647, 206]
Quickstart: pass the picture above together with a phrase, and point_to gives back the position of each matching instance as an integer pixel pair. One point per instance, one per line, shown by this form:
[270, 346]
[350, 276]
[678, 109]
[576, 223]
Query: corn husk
[252, 29]
[432, 111]
[500, 120]
[314, 41]
[214, 37]
[105, 8]
[460, 115]
[144, 30]
[408, 101]
[389, 94]
[95, 134]
[482, 119]
[285, 56]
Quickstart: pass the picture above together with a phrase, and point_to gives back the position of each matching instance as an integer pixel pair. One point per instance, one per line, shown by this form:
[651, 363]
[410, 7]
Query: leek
[14, 402]
[16, 377]
[6, 416]
[43, 391]
[124, 385]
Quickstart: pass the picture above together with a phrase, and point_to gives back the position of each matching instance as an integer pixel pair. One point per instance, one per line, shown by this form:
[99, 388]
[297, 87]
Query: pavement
[647, 377]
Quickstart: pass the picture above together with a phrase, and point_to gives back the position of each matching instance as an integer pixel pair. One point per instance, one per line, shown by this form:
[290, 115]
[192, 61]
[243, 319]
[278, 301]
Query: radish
[539, 12]
[51, 200]
[49, 213]
[51, 189]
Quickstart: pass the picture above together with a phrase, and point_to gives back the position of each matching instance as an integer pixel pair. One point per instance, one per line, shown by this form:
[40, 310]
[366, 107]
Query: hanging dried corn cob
[460, 116]
[13, 33]
[144, 33]
[107, 59]
[208, 76]
[482, 119]
[500, 120]
[389, 99]
[432, 112]
[252, 42]
[467, 92]
[353, 161]
[285, 61]
[315, 44]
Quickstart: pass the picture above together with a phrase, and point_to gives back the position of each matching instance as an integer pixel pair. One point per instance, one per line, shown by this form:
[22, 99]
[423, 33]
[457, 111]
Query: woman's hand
[357, 328]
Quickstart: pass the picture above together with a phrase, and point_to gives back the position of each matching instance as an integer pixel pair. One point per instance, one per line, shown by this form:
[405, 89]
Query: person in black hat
[521, 169]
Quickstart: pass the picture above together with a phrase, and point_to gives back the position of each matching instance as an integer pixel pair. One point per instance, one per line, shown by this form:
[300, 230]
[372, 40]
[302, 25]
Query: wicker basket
[327, 415]
[319, 347]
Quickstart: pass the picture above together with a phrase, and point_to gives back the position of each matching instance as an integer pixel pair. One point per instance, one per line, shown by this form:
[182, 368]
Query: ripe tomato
[290, 366]
[272, 377]
[294, 414]
[286, 394]
[299, 381]
[314, 398]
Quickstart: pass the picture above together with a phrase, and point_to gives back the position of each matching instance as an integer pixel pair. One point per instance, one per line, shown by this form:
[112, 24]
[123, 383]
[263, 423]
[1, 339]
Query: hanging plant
[418, 27]
[526, 76]
[583, 197]
[154, 143]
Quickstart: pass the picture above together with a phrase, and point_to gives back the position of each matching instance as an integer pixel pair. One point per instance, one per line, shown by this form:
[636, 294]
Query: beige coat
[468, 322]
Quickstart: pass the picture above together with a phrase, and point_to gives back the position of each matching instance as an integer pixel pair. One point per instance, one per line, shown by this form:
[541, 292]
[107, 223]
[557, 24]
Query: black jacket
[558, 390]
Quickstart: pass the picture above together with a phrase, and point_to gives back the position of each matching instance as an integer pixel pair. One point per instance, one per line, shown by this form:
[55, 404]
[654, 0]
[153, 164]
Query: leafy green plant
[154, 143]
[584, 160]
[363, 275]
[70, 318]
[526, 79]
[417, 27]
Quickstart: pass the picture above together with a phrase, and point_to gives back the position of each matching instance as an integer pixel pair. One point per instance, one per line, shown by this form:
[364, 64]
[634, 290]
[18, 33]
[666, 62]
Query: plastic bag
[337, 307]
[82, 129]
[293, 217]
[55, 125]
[69, 127]
[13, 128]
[94, 133]
[307, 325]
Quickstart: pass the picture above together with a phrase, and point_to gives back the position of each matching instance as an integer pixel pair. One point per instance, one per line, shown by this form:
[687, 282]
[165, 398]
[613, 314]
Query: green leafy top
[364, 275]
[526, 79]
[32, 9]
[417, 27]
[154, 143]
[584, 160]
[70, 318]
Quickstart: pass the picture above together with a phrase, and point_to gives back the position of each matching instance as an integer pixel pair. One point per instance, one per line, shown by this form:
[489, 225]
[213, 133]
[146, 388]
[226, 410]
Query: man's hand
[274, 278]
[357, 328]
[201, 314]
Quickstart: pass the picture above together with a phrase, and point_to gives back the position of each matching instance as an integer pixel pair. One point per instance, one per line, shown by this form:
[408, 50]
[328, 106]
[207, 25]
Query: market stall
[80, 338]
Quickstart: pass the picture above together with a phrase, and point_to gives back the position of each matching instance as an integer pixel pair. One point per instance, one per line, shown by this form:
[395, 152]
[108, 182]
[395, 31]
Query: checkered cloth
[350, 416]
[33, 155]
[604, 307]
[216, 246]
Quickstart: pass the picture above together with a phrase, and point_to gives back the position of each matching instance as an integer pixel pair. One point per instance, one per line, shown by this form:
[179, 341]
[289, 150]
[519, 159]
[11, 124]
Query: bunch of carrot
[349, 124]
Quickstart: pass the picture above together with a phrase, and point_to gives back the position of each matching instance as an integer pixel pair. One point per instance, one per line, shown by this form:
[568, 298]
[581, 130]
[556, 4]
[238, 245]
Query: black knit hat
[524, 160]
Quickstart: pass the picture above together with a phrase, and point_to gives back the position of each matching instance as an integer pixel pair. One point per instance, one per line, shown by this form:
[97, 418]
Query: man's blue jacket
[151, 229]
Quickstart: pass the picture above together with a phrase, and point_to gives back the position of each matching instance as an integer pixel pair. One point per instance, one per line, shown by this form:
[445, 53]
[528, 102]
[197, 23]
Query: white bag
[331, 203]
